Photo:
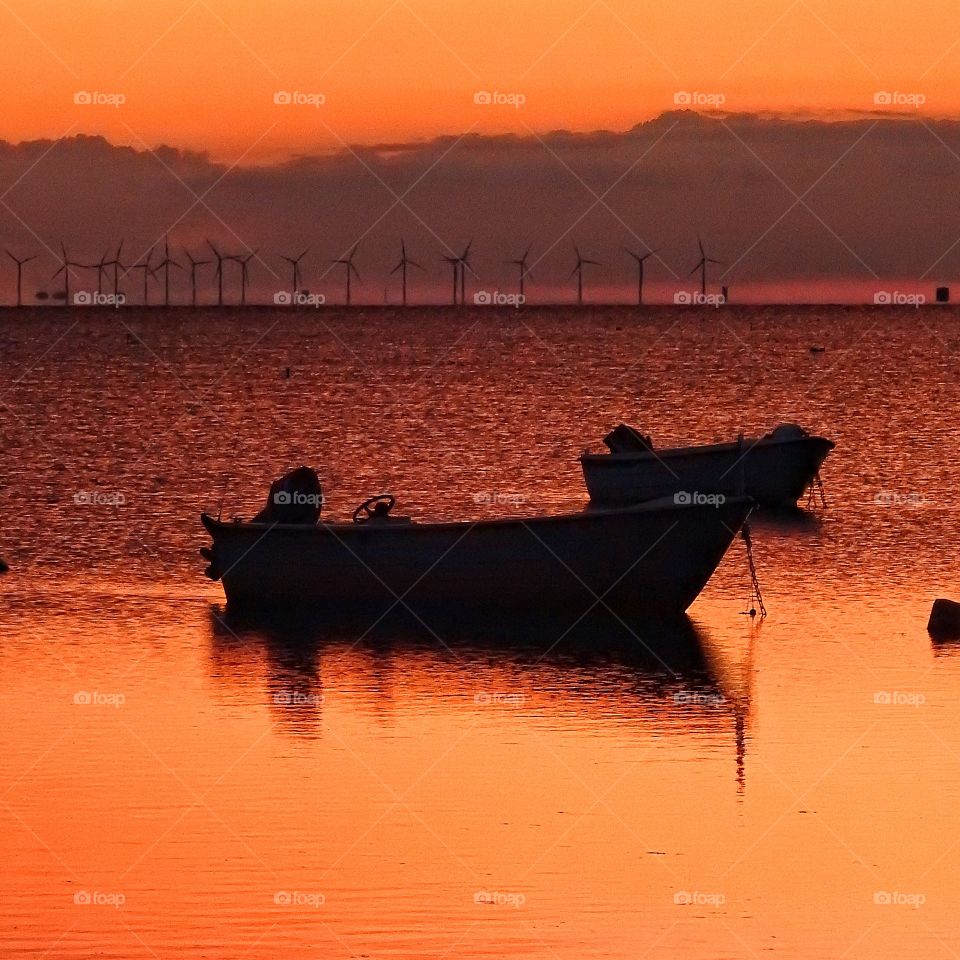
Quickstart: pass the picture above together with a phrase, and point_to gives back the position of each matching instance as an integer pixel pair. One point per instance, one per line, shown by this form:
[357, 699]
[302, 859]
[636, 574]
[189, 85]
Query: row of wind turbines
[111, 268]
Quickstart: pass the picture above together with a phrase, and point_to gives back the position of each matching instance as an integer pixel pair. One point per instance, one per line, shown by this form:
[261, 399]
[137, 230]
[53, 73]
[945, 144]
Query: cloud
[775, 198]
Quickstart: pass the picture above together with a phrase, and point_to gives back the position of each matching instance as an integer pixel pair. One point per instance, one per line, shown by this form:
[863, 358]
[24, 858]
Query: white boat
[775, 470]
[650, 559]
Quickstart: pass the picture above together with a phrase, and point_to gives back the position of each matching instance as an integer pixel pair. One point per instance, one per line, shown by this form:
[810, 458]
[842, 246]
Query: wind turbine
[405, 261]
[297, 275]
[640, 262]
[148, 272]
[117, 267]
[578, 270]
[522, 264]
[244, 274]
[455, 263]
[193, 275]
[350, 268]
[219, 272]
[165, 264]
[65, 265]
[101, 267]
[464, 261]
[702, 267]
[20, 264]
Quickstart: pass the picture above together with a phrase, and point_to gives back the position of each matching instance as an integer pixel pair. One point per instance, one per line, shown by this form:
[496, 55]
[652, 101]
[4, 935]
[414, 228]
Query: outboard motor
[296, 497]
[624, 439]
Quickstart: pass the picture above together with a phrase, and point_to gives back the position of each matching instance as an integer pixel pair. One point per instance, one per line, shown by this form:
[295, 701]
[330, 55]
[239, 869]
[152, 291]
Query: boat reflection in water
[670, 677]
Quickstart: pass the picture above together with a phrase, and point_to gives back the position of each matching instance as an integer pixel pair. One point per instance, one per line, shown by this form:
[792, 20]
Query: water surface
[224, 789]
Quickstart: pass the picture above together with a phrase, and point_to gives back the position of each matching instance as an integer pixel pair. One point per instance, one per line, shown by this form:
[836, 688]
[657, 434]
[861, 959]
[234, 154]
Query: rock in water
[944, 619]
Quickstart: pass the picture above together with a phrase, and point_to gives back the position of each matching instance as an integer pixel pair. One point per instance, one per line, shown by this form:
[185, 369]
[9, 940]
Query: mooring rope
[815, 489]
[756, 596]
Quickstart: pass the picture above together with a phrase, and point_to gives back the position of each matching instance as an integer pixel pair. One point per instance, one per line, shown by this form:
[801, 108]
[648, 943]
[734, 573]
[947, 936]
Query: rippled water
[236, 791]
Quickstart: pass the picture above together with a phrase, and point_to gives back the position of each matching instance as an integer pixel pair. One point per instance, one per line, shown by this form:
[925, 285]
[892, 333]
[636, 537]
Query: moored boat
[775, 470]
[649, 560]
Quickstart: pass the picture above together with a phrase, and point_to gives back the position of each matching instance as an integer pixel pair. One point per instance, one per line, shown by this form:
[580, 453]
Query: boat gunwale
[706, 449]
[661, 504]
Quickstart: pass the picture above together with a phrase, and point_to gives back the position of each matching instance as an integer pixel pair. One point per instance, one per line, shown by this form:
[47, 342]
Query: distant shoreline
[469, 308]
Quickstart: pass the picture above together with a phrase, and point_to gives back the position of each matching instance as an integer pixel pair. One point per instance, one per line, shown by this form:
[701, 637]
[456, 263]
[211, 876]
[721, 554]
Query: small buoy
[816, 348]
[286, 373]
[944, 619]
[3, 565]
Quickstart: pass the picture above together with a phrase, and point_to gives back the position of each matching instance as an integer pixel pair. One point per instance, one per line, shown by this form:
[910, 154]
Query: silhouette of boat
[775, 470]
[648, 560]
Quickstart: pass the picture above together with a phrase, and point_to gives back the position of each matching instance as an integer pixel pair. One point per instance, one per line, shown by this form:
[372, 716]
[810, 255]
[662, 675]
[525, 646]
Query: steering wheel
[377, 506]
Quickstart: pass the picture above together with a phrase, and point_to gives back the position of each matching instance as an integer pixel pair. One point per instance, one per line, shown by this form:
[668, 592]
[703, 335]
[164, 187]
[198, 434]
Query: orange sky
[203, 73]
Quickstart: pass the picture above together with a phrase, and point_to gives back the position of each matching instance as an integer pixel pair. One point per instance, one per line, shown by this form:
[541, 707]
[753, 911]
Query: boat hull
[775, 473]
[652, 559]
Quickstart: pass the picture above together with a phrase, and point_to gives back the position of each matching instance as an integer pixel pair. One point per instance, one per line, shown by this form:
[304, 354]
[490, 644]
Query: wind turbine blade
[695, 269]
[396, 268]
[632, 254]
[413, 263]
[703, 252]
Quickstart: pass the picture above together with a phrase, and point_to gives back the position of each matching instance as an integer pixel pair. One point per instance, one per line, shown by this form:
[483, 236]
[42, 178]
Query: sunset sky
[203, 73]
[280, 96]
